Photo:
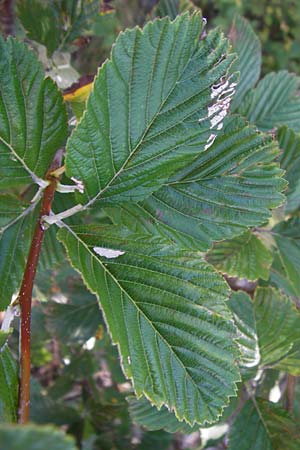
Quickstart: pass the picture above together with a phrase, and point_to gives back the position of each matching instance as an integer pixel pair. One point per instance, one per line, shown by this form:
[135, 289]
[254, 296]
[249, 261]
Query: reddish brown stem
[290, 395]
[25, 294]
[7, 17]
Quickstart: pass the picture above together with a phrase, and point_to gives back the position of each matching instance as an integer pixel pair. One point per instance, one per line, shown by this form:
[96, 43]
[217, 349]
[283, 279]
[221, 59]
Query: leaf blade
[139, 319]
[248, 47]
[8, 385]
[269, 427]
[141, 125]
[274, 102]
[31, 436]
[32, 116]
[226, 190]
[275, 312]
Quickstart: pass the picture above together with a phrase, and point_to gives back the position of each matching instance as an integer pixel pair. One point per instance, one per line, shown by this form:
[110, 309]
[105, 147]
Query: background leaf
[248, 48]
[8, 386]
[241, 306]
[75, 321]
[277, 324]
[289, 143]
[33, 437]
[42, 22]
[287, 238]
[274, 102]
[55, 24]
[244, 256]
[263, 425]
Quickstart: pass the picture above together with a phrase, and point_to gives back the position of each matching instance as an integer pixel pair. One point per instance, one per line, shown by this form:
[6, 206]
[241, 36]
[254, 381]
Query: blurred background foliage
[275, 21]
[89, 34]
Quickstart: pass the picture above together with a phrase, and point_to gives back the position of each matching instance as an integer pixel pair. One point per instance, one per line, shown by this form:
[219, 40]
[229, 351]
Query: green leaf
[14, 246]
[151, 109]
[79, 17]
[56, 23]
[42, 22]
[167, 8]
[77, 320]
[262, 425]
[244, 256]
[8, 387]
[33, 437]
[45, 410]
[279, 278]
[148, 416]
[52, 252]
[242, 309]
[172, 8]
[10, 209]
[165, 308]
[155, 439]
[289, 143]
[4, 336]
[33, 121]
[248, 48]
[287, 238]
[274, 102]
[278, 326]
[226, 190]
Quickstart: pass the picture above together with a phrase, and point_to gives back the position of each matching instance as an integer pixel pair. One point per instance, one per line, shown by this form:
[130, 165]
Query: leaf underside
[143, 413]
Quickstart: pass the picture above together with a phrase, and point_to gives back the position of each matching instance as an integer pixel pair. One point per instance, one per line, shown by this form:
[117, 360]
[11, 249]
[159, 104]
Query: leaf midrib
[187, 374]
[132, 154]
